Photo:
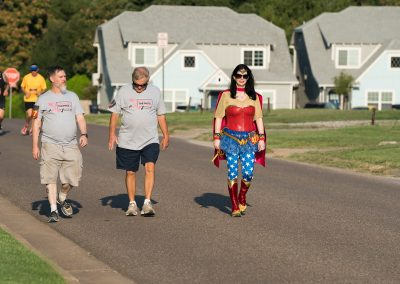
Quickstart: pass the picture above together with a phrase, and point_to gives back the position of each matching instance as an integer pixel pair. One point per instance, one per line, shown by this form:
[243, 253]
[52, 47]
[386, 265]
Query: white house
[204, 46]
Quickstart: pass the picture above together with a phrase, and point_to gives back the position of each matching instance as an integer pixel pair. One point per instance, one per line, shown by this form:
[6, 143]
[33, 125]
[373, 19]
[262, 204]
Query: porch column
[341, 99]
[322, 96]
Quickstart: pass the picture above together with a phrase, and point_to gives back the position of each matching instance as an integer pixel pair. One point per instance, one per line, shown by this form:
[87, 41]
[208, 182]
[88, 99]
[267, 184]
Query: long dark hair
[249, 88]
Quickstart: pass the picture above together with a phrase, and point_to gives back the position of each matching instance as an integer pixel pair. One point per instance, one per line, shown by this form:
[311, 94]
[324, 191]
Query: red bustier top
[240, 118]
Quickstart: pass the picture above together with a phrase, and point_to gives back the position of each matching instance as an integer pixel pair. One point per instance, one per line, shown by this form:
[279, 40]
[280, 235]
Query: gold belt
[240, 141]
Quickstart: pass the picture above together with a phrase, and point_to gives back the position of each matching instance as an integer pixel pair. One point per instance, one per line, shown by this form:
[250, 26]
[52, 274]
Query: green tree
[22, 22]
[82, 27]
[343, 85]
[55, 48]
[69, 38]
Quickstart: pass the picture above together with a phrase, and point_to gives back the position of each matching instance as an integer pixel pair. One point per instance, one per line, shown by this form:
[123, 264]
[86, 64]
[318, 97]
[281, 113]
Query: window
[258, 58]
[348, 58]
[254, 57]
[373, 100]
[387, 100]
[248, 58]
[380, 100]
[189, 61]
[395, 62]
[173, 98]
[145, 56]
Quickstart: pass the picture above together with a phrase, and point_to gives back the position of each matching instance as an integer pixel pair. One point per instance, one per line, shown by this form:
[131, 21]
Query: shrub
[89, 93]
[77, 84]
[18, 107]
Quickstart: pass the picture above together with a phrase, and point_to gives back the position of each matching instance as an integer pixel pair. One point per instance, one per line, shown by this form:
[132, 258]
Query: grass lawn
[353, 147]
[317, 115]
[179, 120]
[373, 149]
[345, 137]
[20, 265]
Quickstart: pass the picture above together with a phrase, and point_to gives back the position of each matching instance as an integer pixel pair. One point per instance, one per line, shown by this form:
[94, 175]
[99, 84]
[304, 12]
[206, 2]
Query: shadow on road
[4, 132]
[219, 201]
[121, 201]
[44, 207]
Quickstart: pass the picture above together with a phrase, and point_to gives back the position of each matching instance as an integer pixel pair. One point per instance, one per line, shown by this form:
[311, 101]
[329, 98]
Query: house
[363, 42]
[204, 45]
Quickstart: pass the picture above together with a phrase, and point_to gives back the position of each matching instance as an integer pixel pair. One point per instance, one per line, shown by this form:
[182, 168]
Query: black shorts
[2, 102]
[29, 105]
[129, 159]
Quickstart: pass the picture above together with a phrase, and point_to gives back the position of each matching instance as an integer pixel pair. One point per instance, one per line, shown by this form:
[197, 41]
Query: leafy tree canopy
[22, 24]
[62, 31]
[343, 83]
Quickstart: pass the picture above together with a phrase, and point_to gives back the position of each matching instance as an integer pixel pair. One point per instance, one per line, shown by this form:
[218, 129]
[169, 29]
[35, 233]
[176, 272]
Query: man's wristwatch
[84, 134]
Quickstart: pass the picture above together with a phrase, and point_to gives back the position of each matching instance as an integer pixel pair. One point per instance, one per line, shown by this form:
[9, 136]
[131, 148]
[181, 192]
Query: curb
[75, 264]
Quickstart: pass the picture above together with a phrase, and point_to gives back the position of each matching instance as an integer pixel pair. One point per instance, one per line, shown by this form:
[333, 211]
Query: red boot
[244, 187]
[233, 193]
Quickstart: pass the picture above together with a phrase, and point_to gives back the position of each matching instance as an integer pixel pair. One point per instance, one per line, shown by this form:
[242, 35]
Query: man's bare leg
[130, 182]
[147, 209]
[149, 180]
[52, 196]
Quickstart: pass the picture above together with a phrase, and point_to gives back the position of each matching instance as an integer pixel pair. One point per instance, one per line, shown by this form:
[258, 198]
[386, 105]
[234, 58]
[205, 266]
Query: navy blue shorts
[129, 159]
[29, 105]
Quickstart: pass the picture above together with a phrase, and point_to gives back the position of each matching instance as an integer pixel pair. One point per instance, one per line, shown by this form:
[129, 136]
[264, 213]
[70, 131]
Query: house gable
[186, 82]
[378, 85]
[218, 81]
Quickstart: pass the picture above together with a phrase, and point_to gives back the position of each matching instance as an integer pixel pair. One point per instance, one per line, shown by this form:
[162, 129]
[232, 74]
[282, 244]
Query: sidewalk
[73, 263]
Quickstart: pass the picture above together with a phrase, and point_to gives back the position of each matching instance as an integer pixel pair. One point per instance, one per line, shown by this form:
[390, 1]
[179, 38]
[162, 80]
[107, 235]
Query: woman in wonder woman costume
[239, 134]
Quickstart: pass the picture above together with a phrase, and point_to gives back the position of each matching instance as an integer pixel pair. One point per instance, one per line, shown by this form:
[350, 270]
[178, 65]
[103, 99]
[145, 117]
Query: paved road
[304, 224]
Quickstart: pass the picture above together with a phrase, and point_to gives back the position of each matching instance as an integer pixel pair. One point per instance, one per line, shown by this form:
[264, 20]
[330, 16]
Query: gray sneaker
[53, 217]
[147, 210]
[132, 210]
[66, 207]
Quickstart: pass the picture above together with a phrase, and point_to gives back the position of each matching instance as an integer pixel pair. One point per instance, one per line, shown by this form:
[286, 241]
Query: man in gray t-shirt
[142, 109]
[55, 115]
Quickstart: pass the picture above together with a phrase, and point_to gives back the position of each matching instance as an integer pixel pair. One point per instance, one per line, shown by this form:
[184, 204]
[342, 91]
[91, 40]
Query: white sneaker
[147, 210]
[132, 210]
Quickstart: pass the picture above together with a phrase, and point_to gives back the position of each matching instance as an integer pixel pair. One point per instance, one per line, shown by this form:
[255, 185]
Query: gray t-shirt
[139, 124]
[58, 113]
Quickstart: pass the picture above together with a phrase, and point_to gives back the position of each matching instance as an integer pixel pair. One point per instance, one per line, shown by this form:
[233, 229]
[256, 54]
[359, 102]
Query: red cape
[260, 156]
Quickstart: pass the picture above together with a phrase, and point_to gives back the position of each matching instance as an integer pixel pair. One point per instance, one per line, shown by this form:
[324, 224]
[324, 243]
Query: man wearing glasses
[142, 108]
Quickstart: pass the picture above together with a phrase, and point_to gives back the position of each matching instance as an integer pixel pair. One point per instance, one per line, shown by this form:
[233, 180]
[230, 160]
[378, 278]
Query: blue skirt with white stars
[230, 146]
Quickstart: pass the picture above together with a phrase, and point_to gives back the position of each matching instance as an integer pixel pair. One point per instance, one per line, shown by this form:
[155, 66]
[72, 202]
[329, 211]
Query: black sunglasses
[244, 76]
[140, 86]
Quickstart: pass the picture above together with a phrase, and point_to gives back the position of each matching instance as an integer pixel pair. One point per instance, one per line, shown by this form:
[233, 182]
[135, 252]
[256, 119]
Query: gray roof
[362, 25]
[394, 45]
[354, 25]
[189, 26]
[114, 56]
[188, 45]
[202, 24]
